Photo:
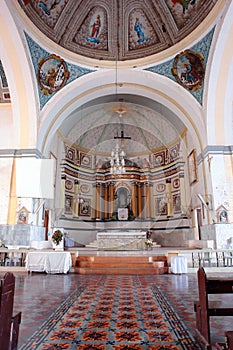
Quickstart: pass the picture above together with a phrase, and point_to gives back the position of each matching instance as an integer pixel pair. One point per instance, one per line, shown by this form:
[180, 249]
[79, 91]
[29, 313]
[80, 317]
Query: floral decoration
[149, 242]
[57, 237]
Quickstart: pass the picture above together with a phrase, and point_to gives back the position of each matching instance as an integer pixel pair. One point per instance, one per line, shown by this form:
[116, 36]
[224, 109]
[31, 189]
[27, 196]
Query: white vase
[59, 246]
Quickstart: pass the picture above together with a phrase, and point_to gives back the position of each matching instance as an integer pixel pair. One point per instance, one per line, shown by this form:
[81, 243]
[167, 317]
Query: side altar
[121, 240]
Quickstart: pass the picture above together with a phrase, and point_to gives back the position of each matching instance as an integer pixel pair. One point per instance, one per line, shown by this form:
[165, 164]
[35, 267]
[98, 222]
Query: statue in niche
[222, 215]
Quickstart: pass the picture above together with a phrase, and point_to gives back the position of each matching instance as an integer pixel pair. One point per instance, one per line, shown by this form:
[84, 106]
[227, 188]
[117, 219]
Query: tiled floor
[37, 295]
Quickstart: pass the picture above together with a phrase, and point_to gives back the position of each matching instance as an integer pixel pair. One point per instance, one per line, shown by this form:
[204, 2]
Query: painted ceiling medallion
[52, 74]
[189, 69]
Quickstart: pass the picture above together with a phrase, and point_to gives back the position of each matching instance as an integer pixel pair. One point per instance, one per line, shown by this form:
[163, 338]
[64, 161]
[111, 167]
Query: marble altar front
[121, 240]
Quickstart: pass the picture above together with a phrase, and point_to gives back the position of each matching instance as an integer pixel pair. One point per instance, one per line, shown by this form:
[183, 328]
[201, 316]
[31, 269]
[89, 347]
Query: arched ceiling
[95, 125]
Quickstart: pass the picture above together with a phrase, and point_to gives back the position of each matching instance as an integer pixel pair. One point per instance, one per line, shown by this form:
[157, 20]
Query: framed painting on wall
[192, 166]
[85, 208]
[161, 206]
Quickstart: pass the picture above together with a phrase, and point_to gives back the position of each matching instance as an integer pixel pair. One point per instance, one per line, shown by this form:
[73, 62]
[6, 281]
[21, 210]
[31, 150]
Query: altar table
[121, 240]
[178, 264]
[50, 262]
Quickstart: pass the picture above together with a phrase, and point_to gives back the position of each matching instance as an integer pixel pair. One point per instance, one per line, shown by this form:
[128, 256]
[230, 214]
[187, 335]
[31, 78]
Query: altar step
[132, 265]
[94, 245]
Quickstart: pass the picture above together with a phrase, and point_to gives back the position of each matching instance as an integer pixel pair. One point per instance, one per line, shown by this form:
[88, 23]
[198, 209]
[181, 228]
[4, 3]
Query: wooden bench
[228, 345]
[9, 325]
[205, 308]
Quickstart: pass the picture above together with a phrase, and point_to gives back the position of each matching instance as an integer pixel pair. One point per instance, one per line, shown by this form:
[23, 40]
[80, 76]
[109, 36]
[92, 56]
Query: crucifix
[122, 138]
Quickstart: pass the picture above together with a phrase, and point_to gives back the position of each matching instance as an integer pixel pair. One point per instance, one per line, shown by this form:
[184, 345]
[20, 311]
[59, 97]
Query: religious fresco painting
[184, 11]
[127, 29]
[176, 203]
[52, 74]
[141, 33]
[85, 208]
[161, 206]
[49, 11]
[93, 32]
[68, 204]
[189, 70]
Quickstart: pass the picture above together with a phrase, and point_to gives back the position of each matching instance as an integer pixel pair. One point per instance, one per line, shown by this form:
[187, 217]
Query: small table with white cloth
[49, 262]
[178, 264]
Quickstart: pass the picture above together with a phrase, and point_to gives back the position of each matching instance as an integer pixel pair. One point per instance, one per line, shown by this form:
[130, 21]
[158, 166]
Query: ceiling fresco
[116, 29]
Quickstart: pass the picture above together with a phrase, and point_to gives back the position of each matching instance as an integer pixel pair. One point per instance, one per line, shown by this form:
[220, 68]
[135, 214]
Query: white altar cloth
[50, 262]
[178, 264]
[121, 240]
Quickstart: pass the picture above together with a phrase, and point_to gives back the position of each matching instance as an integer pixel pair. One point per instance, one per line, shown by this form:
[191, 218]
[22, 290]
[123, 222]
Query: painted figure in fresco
[95, 31]
[187, 73]
[185, 3]
[46, 8]
[139, 31]
[96, 27]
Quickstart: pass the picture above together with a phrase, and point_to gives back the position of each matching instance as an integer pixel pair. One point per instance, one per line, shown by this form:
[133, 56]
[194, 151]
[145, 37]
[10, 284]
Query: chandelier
[117, 161]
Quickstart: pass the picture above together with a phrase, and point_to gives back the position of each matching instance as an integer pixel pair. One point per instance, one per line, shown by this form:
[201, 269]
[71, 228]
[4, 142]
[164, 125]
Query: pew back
[205, 308]
[9, 325]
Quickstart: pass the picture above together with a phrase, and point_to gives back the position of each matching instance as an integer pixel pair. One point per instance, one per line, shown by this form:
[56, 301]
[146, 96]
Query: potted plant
[57, 237]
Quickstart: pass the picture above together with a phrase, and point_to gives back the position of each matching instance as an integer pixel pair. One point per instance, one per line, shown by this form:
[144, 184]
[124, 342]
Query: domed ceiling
[116, 29]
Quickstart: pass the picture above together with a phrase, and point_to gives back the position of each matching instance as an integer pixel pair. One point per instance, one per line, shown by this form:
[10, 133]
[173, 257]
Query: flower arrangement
[57, 237]
[149, 242]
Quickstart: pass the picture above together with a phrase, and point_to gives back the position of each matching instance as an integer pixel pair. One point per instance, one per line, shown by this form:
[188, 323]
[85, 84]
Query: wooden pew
[228, 345]
[9, 325]
[205, 308]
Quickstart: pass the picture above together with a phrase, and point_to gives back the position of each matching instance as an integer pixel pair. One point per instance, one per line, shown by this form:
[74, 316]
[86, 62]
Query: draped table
[178, 264]
[49, 262]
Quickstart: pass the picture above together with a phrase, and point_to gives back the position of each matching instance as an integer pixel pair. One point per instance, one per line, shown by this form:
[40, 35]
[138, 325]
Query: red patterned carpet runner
[118, 314]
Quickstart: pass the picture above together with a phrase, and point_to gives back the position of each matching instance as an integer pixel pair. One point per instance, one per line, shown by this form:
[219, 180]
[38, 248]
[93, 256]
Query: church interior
[116, 144]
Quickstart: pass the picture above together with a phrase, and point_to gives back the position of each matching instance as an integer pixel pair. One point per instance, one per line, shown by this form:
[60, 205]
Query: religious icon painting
[141, 32]
[161, 206]
[52, 74]
[176, 203]
[68, 204]
[85, 207]
[189, 70]
[93, 31]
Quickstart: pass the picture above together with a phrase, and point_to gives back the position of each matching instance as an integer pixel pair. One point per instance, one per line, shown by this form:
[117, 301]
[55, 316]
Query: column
[76, 203]
[111, 199]
[169, 197]
[152, 200]
[148, 214]
[93, 206]
[140, 200]
[182, 195]
[134, 199]
[106, 201]
[97, 209]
